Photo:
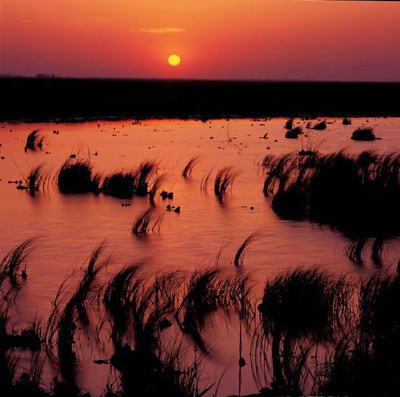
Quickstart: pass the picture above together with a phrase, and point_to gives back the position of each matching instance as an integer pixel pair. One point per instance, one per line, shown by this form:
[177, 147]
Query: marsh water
[68, 227]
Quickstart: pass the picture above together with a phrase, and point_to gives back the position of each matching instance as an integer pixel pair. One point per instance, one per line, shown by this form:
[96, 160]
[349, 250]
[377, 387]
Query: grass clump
[354, 194]
[142, 174]
[187, 170]
[293, 133]
[119, 184]
[76, 176]
[147, 221]
[320, 125]
[223, 181]
[35, 181]
[129, 183]
[364, 134]
[34, 141]
[289, 124]
[299, 309]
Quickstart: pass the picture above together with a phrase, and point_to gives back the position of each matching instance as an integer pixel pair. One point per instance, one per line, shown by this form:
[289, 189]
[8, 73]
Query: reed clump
[364, 134]
[35, 181]
[293, 133]
[126, 184]
[187, 170]
[119, 184]
[320, 125]
[147, 221]
[310, 332]
[76, 176]
[223, 181]
[354, 194]
[34, 141]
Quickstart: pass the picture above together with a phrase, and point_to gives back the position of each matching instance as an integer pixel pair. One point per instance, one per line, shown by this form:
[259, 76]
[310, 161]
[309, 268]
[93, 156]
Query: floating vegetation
[355, 194]
[223, 181]
[34, 141]
[364, 134]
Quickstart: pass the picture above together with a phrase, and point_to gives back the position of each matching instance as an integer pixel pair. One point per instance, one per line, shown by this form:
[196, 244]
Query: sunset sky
[216, 39]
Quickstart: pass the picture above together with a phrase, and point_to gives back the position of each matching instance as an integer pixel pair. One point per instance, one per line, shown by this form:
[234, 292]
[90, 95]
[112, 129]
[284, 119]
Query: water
[68, 227]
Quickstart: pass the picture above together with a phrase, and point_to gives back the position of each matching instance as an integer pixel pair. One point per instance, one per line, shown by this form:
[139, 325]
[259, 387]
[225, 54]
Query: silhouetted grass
[119, 184]
[366, 361]
[298, 309]
[289, 124]
[310, 149]
[355, 194]
[363, 134]
[293, 133]
[12, 337]
[205, 181]
[34, 141]
[239, 257]
[312, 333]
[187, 170]
[66, 318]
[126, 184]
[35, 181]
[155, 187]
[76, 176]
[11, 265]
[142, 175]
[223, 181]
[138, 309]
[147, 221]
[320, 125]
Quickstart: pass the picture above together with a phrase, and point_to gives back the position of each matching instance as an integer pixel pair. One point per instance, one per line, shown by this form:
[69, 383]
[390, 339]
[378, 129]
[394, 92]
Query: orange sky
[224, 39]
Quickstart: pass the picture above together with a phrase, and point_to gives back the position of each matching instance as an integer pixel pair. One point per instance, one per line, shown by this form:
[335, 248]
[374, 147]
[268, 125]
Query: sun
[174, 60]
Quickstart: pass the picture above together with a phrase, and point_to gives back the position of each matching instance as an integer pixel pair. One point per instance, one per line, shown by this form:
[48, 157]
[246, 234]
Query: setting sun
[174, 60]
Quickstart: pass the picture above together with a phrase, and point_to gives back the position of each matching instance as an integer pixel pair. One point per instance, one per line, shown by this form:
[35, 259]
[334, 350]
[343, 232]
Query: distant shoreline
[79, 100]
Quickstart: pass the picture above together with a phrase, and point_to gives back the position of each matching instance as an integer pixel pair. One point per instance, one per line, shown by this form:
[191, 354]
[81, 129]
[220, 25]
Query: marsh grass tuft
[354, 194]
[239, 257]
[34, 141]
[76, 176]
[364, 134]
[312, 333]
[147, 221]
[187, 170]
[320, 125]
[293, 133]
[223, 181]
[119, 184]
[36, 180]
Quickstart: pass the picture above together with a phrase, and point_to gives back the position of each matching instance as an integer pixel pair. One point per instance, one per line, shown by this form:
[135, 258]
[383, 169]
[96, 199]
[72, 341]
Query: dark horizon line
[227, 80]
